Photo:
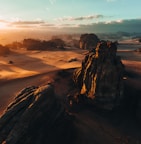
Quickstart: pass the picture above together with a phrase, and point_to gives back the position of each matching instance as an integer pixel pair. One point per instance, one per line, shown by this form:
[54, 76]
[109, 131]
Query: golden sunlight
[3, 25]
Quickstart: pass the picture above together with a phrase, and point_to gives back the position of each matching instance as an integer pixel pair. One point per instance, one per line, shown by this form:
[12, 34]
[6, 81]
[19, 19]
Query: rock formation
[88, 41]
[35, 117]
[100, 77]
[4, 50]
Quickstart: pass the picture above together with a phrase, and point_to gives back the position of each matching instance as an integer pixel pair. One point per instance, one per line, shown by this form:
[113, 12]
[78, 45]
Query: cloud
[27, 22]
[46, 25]
[47, 9]
[58, 26]
[52, 2]
[114, 22]
[127, 25]
[22, 24]
[131, 25]
[31, 24]
[89, 17]
[69, 25]
[3, 21]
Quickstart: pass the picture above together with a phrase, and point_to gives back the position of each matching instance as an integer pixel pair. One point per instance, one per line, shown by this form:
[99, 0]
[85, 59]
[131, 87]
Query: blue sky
[71, 15]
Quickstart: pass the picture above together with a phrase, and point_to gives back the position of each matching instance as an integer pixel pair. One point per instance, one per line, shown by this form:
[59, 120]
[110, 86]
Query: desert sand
[32, 68]
[41, 67]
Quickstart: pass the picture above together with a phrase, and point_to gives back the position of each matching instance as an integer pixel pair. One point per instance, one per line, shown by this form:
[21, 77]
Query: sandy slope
[27, 63]
[32, 68]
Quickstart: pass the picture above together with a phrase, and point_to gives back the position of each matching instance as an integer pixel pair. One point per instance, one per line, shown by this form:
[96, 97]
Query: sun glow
[3, 26]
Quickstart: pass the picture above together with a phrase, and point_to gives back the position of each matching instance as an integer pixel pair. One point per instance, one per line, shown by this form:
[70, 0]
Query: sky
[71, 15]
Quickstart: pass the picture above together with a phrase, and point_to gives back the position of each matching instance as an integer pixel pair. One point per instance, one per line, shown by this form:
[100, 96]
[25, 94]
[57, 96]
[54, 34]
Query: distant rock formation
[88, 41]
[33, 44]
[36, 117]
[4, 50]
[101, 76]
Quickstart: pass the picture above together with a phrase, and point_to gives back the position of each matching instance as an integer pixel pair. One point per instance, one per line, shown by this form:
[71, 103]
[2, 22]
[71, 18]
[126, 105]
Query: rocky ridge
[36, 116]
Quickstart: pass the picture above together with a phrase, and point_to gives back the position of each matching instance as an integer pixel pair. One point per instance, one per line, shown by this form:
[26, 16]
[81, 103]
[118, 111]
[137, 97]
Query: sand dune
[32, 68]
[28, 63]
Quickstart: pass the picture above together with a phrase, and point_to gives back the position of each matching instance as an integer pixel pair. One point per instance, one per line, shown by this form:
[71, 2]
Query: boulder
[10, 62]
[35, 117]
[72, 60]
[100, 77]
[88, 41]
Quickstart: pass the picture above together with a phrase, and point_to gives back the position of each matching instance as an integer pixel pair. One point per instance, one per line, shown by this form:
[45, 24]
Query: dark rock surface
[88, 41]
[101, 76]
[36, 117]
[132, 92]
[138, 111]
[138, 50]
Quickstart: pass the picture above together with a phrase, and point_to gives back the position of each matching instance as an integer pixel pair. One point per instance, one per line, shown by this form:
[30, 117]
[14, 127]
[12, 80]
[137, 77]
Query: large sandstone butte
[88, 41]
[100, 77]
[36, 117]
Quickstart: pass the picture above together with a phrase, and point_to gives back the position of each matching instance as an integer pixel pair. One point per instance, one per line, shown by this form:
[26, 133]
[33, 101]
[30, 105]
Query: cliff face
[88, 41]
[100, 76]
[35, 117]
